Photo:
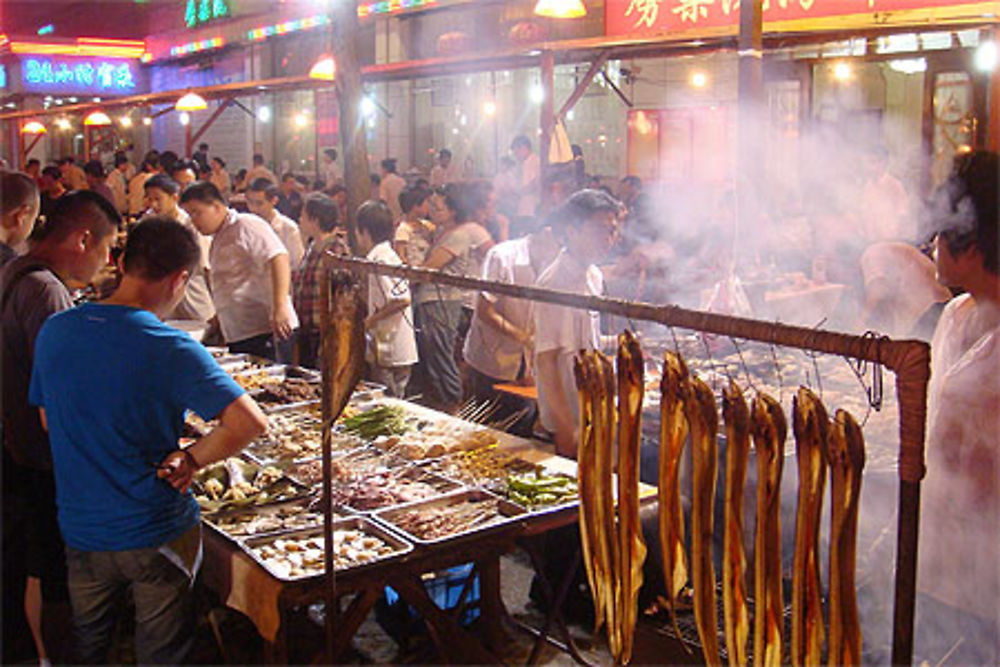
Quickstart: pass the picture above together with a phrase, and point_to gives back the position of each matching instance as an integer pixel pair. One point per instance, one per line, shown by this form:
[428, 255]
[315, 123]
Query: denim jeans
[164, 604]
[439, 322]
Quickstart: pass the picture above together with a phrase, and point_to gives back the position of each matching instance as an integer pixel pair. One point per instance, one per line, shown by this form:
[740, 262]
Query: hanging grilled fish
[734, 590]
[769, 430]
[810, 423]
[343, 341]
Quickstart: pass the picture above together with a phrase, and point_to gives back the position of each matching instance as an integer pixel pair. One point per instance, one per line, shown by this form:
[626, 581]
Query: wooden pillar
[993, 107]
[344, 22]
[547, 123]
[751, 114]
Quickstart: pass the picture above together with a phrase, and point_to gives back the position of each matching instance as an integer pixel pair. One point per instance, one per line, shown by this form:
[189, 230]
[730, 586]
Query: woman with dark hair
[460, 247]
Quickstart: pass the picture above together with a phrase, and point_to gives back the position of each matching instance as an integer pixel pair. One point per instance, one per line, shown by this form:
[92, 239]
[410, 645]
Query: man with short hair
[162, 197]
[589, 220]
[331, 171]
[69, 249]
[530, 172]
[136, 192]
[414, 233]
[201, 156]
[74, 178]
[19, 206]
[290, 200]
[52, 189]
[392, 346]
[260, 171]
[250, 276]
[118, 184]
[183, 172]
[33, 168]
[262, 200]
[391, 186]
[444, 172]
[94, 172]
[125, 509]
[319, 227]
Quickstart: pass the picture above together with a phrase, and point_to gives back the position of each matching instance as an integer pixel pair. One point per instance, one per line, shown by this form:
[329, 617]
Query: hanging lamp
[191, 102]
[97, 119]
[33, 127]
[325, 69]
[561, 9]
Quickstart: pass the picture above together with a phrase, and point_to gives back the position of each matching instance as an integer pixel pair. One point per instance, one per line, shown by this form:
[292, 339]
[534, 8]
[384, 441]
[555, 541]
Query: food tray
[399, 546]
[291, 490]
[442, 485]
[239, 524]
[508, 513]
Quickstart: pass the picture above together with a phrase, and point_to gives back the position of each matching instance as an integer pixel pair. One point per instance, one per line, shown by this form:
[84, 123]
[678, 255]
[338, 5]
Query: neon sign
[201, 11]
[75, 75]
[3, 76]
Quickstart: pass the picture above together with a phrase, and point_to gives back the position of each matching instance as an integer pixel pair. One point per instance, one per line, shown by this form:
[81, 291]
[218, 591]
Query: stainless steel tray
[400, 546]
[228, 522]
[443, 485]
[296, 491]
[508, 513]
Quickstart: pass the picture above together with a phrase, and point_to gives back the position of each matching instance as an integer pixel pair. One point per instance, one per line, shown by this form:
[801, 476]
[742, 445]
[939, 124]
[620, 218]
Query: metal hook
[777, 369]
[711, 363]
[743, 363]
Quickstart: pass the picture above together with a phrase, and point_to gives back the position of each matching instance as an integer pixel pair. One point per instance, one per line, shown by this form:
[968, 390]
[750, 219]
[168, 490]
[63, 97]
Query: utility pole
[345, 31]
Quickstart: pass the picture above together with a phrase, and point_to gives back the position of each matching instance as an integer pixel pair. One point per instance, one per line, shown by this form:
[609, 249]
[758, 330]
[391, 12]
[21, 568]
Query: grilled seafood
[847, 460]
[809, 421]
[631, 547]
[674, 388]
[704, 423]
[769, 430]
[734, 591]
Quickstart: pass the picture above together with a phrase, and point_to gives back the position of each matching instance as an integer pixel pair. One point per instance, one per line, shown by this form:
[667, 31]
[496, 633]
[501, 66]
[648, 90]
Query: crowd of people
[93, 396]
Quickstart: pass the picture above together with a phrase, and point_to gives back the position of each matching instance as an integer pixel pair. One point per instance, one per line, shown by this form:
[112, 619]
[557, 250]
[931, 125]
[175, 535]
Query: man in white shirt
[958, 580]
[262, 199]
[444, 172]
[250, 275]
[260, 171]
[162, 197]
[391, 186]
[392, 343]
[531, 170]
[331, 170]
[590, 221]
[499, 344]
[118, 185]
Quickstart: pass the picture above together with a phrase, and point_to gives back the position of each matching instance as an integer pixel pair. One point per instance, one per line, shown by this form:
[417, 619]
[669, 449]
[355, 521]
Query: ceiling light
[191, 102]
[125, 121]
[490, 108]
[97, 119]
[699, 80]
[325, 69]
[264, 114]
[33, 127]
[147, 121]
[368, 108]
[986, 56]
[184, 118]
[537, 94]
[63, 124]
[561, 9]
[300, 120]
[842, 71]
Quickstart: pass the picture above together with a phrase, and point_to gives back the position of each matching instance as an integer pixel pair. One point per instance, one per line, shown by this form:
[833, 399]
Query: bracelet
[190, 459]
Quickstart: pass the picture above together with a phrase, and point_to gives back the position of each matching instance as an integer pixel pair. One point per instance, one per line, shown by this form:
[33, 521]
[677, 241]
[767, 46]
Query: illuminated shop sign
[631, 17]
[197, 12]
[3, 76]
[107, 77]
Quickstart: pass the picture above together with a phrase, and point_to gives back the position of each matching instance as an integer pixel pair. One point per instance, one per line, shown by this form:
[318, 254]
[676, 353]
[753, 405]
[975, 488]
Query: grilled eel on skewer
[674, 388]
[703, 420]
[769, 431]
[810, 424]
[847, 460]
[586, 484]
[734, 589]
[604, 536]
[343, 356]
[632, 548]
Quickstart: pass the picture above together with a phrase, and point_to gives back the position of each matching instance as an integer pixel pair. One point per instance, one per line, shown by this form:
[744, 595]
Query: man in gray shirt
[70, 249]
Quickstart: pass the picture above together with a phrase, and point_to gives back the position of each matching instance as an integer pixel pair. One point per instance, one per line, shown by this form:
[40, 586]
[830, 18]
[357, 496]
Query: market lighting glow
[125, 121]
[191, 102]
[184, 118]
[300, 120]
[366, 9]
[842, 72]
[193, 47]
[909, 65]
[97, 119]
[147, 121]
[264, 114]
[986, 56]
[367, 107]
[561, 9]
[84, 46]
[324, 69]
[263, 32]
[63, 124]
[490, 108]
[537, 94]
[699, 80]
[33, 127]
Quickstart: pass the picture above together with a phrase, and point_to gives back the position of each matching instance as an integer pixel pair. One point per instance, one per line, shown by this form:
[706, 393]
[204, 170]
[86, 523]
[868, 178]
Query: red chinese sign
[632, 17]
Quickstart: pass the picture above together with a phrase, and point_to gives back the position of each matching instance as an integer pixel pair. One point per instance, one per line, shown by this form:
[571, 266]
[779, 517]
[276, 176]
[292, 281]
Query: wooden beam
[584, 83]
[211, 119]
[617, 91]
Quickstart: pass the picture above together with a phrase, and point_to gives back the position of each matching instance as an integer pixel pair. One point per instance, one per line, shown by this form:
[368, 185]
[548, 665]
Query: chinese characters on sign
[75, 75]
[629, 17]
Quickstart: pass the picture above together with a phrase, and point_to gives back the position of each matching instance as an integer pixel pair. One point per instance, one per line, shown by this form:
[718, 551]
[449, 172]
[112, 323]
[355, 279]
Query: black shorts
[41, 541]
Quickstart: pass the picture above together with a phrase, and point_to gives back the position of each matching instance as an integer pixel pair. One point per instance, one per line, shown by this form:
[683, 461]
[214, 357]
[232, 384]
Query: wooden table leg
[349, 622]
[451, 639]
[491, 604]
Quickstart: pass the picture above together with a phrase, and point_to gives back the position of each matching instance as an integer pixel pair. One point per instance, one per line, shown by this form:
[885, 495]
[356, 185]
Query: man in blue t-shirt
[112, 383]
